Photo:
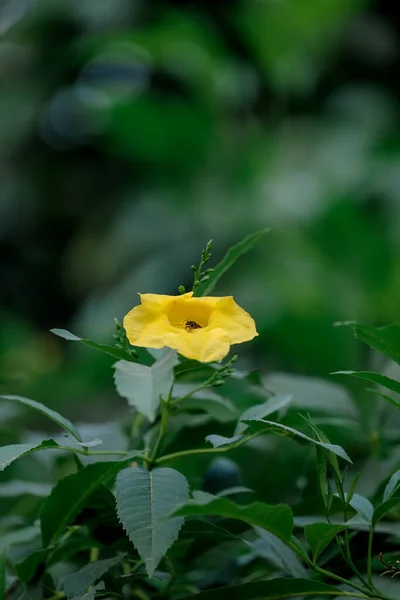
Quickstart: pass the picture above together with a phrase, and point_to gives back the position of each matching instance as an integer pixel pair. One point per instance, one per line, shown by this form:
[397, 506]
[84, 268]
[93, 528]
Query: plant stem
[189, 394]
[342, 580]
[182, 453]
[92, 453]
[94, 554]
[369, 556]
[165, 408]
[328, 574]
[347, 554]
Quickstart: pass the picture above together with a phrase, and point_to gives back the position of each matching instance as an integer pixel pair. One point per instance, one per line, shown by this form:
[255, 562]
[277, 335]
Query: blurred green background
[133, 131]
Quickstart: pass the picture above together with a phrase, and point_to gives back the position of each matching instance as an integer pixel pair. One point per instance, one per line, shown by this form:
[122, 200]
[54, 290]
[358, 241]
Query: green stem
[162, 429]
[347, 555]
[183, 453]
[329, 575]
[369, 556]
[92, 453]
[189, 394]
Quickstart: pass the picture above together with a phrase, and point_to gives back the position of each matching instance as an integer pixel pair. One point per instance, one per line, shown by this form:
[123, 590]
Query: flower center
[189, 314]
[190, 325]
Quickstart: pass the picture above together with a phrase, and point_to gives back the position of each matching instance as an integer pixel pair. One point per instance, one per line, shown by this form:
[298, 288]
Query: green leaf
[89, 595]
[279, 553]
[72, 544]
[264, 426]
[386, 397]
[228, 261]
[16, 487]
[27, 568]
[383, 339]
[10, 453]
[47, 412]
[331, 460]
[260, 411]
[78, 582]
[387, 382]
[362, 506]
[353, 487]
[383, 509]
[145, 500]
[22, 536]
[69, 496]
[391, 486]
[272, 589]
[322, 471]
[208, 401]
[3, 576]
[110, 350]
[277, 519]
[219, 440]
[142, 386]
[320, 535]
[312, 393]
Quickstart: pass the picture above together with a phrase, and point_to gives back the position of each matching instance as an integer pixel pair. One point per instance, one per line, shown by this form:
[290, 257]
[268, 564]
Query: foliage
[132, 132]
[124, 523]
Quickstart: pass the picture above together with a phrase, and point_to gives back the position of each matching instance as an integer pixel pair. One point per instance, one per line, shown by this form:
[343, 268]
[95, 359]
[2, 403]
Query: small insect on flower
[202, 329]
[192, 325]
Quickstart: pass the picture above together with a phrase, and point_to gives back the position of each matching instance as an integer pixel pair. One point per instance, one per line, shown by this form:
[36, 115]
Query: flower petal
[236, 322]
[201, 344]
[159, 302]
[185, 308]
[146, 326]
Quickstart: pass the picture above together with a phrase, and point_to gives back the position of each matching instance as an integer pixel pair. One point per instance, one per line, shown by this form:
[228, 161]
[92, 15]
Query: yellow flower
[199, 328]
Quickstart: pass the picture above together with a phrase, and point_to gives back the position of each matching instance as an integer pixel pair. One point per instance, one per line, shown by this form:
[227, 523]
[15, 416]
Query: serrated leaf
[47, 412]
[90, 594]
[110, 350]
[383, 509]
[277, 519]
[70, 495]
[145, 500]
[386, 397]
[391, 486]
[142, 386]
[27, 568]
[272, 589]
[383, 339]
[260, 411]
[77, 583]
[10, 453]
[228, 261]
[320, 535]
[270, 427]
[387, 382]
